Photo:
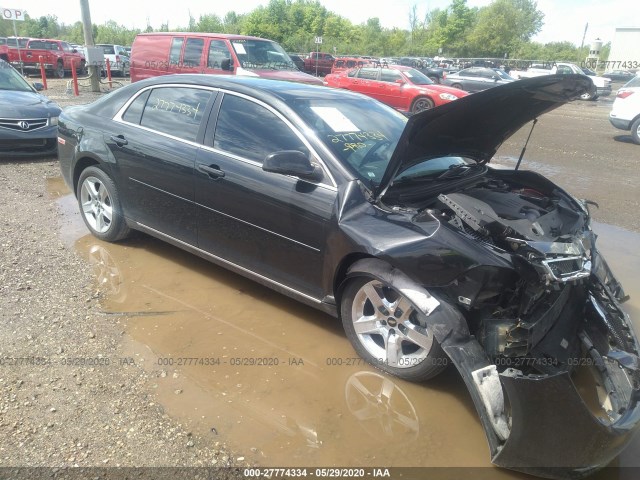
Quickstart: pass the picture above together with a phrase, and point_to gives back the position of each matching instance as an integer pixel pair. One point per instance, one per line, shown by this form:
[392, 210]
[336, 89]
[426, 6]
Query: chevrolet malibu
[399, 227]
[403, 88]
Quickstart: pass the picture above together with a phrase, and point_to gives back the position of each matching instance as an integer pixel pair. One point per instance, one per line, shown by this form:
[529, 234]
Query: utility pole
[584, 35]
[94, 72]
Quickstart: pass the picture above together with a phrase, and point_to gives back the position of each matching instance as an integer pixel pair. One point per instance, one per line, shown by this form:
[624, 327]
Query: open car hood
[476, 125]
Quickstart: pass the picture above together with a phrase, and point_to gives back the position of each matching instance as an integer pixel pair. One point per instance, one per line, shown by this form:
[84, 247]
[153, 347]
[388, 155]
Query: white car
[118, 58]
[625, 113]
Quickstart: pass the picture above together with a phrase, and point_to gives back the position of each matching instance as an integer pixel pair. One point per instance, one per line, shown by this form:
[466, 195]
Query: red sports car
[403, 88]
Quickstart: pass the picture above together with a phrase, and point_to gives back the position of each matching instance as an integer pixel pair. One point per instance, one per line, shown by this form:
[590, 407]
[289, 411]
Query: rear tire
[635, 131]
[100, 205]
[457, 85]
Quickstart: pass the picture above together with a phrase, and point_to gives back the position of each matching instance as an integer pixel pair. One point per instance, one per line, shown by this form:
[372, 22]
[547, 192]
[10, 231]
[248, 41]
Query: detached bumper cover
[554, 434]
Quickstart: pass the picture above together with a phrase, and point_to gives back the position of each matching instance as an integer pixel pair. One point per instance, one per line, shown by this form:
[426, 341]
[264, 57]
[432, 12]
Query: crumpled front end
[558, 394]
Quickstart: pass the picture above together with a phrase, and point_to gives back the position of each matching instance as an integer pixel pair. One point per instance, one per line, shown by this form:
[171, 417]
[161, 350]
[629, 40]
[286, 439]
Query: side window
[251, 131]
[134, 111]
[176, 48]
[218, 51]
[368, 73]
[193, 52]
[391, 76]
[564, 70]
[176, 111]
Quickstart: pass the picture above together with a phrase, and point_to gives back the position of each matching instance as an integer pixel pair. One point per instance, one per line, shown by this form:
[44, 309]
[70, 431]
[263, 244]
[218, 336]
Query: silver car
[476, 79]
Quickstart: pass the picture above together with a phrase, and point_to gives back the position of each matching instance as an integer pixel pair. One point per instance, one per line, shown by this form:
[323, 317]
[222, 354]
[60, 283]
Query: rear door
[191, 60]
[154, 141]
[271, 224]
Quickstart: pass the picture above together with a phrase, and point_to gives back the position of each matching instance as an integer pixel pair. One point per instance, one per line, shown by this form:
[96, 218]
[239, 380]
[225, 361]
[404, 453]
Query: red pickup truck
[318, 63]
[9, 48]
[58, 57]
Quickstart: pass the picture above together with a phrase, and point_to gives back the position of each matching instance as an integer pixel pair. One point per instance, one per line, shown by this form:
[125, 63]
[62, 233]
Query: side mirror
[38, 86]
[227, 64]
[399, 81]
[292, 162]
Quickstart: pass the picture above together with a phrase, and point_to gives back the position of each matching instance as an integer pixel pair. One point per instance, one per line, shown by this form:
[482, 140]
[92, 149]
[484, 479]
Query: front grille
[567, 268]
[23, 124]
[27, 146]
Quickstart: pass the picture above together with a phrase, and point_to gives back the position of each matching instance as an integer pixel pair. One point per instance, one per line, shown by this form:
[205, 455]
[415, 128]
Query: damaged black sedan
[398, 227]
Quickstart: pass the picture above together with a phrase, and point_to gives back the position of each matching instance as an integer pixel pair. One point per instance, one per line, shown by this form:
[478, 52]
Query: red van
[164, 53]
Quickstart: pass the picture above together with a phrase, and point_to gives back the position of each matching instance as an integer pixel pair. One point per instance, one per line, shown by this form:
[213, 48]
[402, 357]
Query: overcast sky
[564, 19]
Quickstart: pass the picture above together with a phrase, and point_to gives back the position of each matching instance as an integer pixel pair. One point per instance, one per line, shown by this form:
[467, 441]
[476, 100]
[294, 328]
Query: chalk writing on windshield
[176, 107]
[356, 137]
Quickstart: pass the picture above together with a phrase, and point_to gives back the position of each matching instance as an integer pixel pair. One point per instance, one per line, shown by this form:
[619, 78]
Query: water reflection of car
[625, 112]
[28, 120]
[476, 79]
[403, 88]
[397, 226]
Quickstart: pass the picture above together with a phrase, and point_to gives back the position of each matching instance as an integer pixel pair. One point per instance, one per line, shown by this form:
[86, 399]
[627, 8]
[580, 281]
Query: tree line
[502, 29]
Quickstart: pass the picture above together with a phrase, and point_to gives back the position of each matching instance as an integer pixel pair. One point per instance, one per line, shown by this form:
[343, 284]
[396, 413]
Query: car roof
[229, 36]
[267, 90]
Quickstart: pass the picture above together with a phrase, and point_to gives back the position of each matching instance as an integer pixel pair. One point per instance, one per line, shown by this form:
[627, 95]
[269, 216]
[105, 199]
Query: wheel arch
[445, 319]
[342, 274]
[81, 165]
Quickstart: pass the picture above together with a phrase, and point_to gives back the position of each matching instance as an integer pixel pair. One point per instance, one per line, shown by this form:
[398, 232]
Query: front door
[271, 224]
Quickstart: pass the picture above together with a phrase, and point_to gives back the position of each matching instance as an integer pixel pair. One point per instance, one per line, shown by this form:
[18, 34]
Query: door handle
[119, 140]
[213, 171]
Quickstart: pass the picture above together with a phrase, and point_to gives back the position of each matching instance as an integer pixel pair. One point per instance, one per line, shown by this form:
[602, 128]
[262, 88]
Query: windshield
[416, 77]
[262, 55]
[503, 75]
[361, 132]
[10, 79]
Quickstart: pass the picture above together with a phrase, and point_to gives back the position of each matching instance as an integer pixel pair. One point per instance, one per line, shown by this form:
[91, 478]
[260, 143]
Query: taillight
[444, 75]
[624, 93]
[117, 58]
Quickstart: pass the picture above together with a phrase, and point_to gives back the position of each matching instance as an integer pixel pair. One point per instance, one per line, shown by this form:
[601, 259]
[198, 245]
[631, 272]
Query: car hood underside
[476, 125]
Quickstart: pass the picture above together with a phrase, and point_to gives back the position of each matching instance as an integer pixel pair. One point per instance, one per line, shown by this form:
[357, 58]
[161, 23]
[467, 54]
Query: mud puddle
[278, 381]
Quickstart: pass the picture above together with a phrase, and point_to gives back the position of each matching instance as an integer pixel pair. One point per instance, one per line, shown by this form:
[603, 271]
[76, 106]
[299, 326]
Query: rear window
[107, 49]
[43, 45]
[176, 111]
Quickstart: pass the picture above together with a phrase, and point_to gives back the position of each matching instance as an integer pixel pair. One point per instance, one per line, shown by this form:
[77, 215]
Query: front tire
[388, 332]
[60, 70]
[100, 205]
[635, 131]
[420, 104]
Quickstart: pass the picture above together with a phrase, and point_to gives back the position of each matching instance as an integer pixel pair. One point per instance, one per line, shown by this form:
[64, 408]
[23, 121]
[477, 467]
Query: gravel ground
[53, 414]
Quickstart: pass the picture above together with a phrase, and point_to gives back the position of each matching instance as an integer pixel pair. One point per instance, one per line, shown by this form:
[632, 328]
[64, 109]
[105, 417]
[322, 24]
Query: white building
[625, 49]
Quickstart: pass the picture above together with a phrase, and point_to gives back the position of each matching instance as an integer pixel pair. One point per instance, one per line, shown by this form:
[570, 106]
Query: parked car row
[25, 54]
[403, 88]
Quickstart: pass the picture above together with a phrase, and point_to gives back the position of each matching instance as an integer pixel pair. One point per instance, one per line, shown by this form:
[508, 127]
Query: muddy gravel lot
[91, 335]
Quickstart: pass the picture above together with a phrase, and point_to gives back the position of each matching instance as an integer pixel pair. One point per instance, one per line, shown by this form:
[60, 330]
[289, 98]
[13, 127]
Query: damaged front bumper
[553, 424]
